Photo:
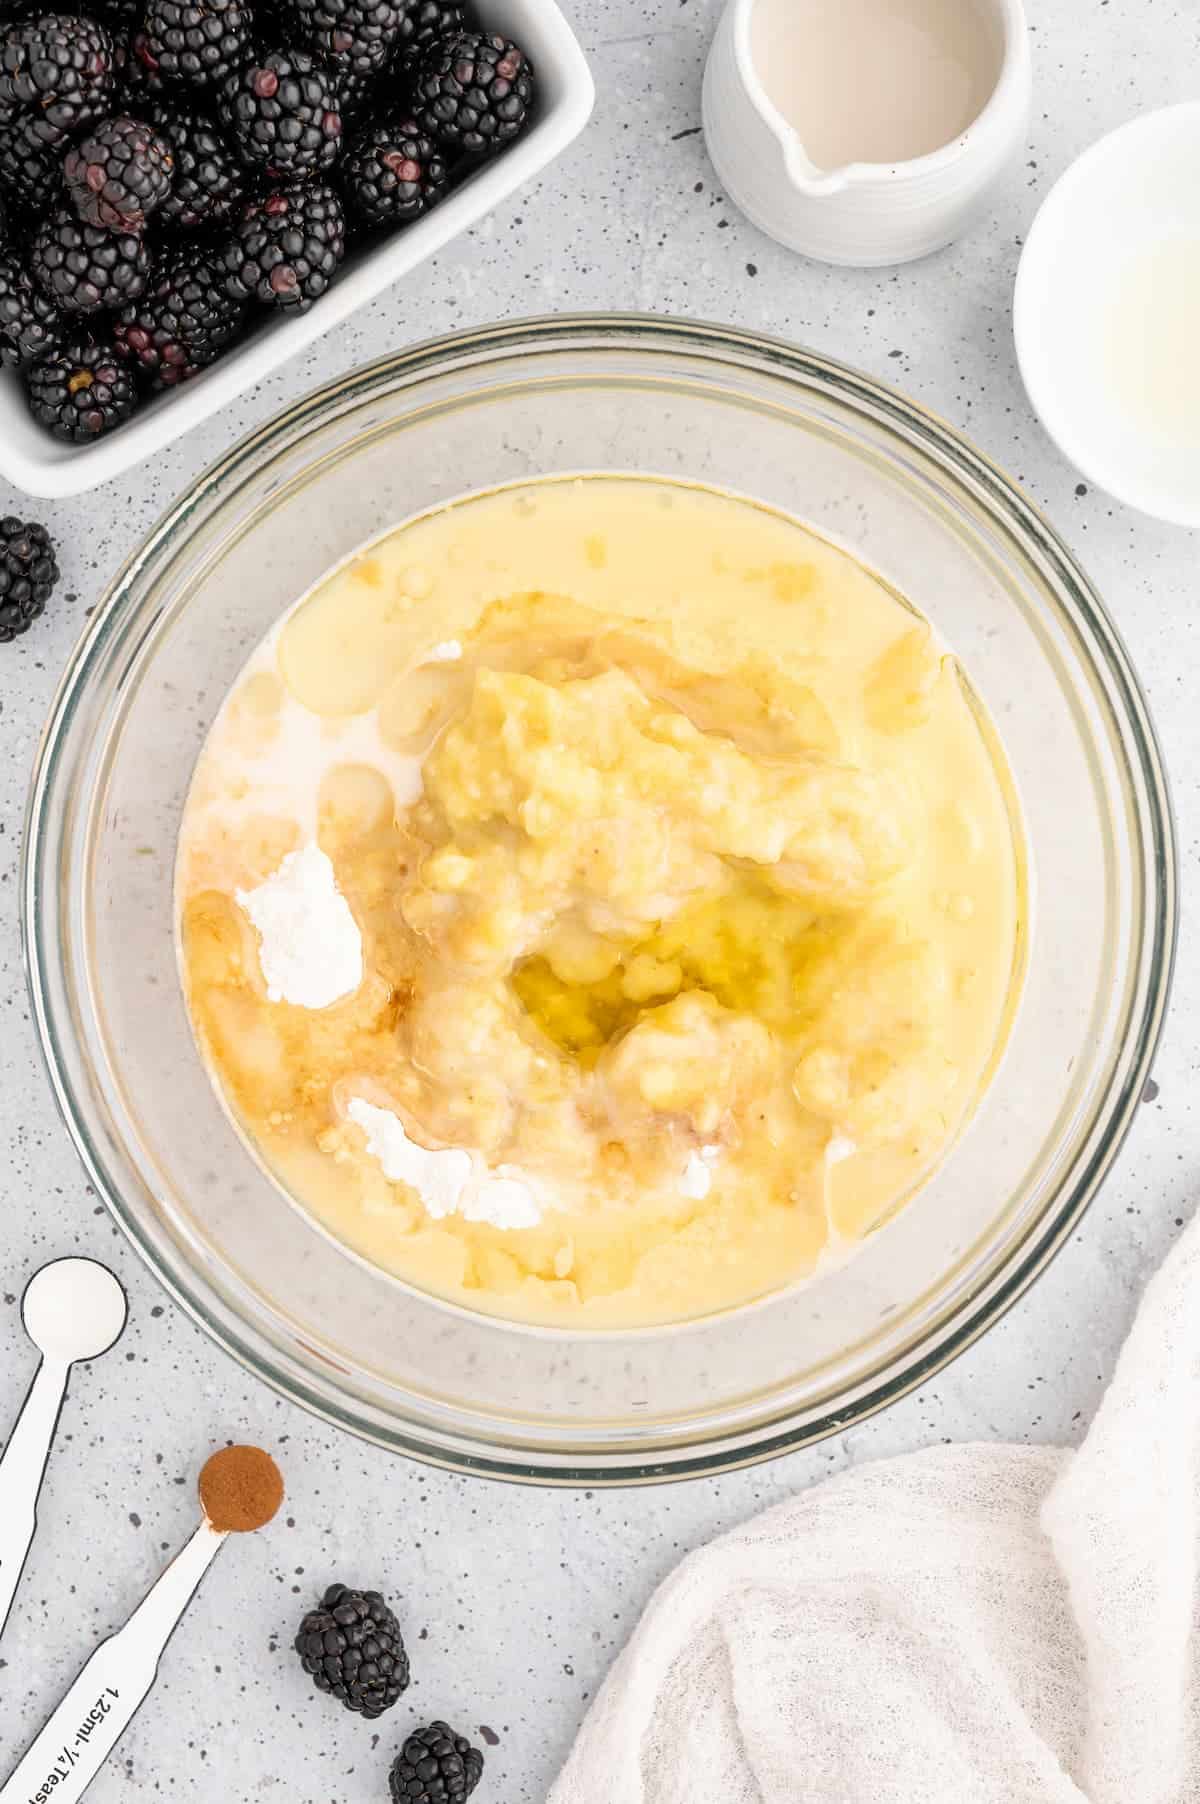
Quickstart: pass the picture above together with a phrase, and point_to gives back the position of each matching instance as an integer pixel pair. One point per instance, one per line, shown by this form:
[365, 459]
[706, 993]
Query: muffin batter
[601, 900]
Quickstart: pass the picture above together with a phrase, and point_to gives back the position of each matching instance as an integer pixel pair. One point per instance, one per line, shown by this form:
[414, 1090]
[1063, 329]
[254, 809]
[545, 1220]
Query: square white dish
[42, 465]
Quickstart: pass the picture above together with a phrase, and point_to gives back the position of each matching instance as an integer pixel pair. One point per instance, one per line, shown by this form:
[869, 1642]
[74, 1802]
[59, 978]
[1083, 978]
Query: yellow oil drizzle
[755, 949]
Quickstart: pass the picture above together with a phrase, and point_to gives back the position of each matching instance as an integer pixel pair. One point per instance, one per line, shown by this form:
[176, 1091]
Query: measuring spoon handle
[22, 1468]
[84, 1729]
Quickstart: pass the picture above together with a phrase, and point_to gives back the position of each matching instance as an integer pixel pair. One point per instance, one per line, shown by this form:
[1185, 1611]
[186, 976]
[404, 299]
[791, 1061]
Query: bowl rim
[616, 1465]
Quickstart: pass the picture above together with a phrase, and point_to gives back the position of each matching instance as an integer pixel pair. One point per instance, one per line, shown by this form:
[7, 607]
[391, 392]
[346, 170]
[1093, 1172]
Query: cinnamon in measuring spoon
[240, 1489]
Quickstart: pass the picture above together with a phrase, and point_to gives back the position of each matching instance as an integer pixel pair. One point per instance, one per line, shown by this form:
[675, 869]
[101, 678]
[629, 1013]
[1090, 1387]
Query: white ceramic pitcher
[864, 213]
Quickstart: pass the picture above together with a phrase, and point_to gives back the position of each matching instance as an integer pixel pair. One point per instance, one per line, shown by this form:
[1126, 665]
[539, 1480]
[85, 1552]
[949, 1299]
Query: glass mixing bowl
[867, 469]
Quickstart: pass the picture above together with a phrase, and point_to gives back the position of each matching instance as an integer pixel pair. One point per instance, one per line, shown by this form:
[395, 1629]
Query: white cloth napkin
[968, 1625]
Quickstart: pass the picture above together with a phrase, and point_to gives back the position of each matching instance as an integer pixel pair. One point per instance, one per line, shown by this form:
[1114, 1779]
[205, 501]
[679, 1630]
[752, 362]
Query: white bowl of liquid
[866, 131]
[1106, 317]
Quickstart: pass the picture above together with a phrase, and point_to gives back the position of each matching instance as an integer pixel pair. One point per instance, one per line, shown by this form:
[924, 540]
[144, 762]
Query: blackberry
[287, 247]
[423, 23]
[473, 93]
[28, 573]
[181, 324]
[350, 44]
[208, 183]
[56, 71]
[380, 20]
[435, 1766]
[118, 174]
[357, 63]
[120, 16]
[136, 80]
[282, 113]
[393, 173]
[30, 324]
[30, 171]
[351, 1647]
[355, 38]
[200, 42]
[272, 23]
[80, 392]
[83, 267]
[355, 89]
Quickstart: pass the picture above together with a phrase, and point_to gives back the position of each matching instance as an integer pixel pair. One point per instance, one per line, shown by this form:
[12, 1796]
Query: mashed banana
[688, 887]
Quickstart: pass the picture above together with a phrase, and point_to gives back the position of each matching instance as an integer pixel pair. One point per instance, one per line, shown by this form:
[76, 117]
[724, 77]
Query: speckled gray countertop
[516, 1600]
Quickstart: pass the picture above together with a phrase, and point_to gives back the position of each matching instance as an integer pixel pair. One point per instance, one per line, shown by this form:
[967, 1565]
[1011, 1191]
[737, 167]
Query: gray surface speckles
[516, 1601]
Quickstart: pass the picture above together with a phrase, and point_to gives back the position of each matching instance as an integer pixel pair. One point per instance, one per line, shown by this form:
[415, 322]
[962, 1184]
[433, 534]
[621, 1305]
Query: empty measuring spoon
[84, 1729]
[72, 1309]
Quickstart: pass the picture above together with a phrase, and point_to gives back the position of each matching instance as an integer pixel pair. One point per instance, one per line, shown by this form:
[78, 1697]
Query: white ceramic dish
[1123, 201]
[865, 214]
[34, 461]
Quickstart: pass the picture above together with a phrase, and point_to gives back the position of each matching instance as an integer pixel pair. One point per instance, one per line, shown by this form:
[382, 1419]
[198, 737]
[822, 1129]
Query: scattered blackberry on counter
[118, 174]
[351, 1647]
[287, 247]
[423, 23]
[199, 42]
[80, 392]
[30, 323]
[209, 184]
[393, 173]
[28, 573]
[83, 268]
[57, 71]
[181, 324]
[435, 1766]
[473, 93]
[282, 114]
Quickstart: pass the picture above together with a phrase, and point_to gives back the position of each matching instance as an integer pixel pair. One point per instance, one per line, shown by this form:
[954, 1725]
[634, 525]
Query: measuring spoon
[83, 1730]
[72, 1309]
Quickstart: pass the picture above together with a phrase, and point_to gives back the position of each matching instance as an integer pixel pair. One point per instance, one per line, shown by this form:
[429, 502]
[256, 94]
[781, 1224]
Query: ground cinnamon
[240, 1488]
